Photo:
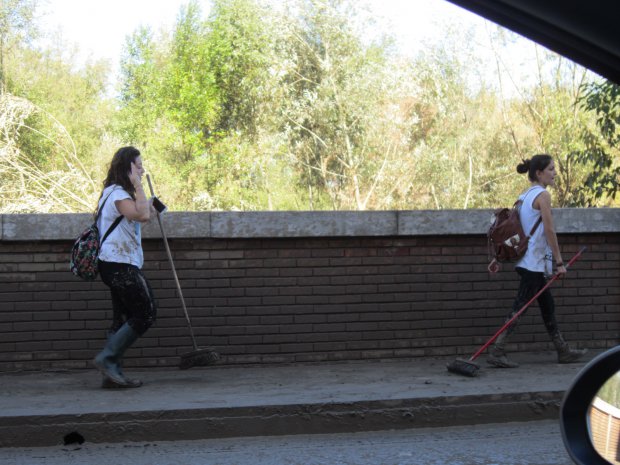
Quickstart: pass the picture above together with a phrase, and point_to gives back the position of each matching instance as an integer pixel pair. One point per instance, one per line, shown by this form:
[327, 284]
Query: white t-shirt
[538, 256]
[124, 244]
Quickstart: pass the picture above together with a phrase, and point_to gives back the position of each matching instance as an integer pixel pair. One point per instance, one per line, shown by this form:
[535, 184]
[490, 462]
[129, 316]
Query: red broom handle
[516, 315]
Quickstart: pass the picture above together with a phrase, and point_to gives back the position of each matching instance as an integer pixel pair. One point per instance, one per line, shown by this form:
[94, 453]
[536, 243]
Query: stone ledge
[223, 225]
[303, 224]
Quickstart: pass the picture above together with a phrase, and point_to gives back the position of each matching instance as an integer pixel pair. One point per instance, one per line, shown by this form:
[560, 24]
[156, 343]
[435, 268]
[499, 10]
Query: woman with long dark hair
[120, 262]
[536, 265]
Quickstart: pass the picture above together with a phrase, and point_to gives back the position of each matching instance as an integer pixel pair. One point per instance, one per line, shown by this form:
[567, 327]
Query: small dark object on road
[73, 438]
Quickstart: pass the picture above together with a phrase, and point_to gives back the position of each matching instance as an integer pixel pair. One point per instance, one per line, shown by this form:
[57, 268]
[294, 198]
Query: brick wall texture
[302, 300]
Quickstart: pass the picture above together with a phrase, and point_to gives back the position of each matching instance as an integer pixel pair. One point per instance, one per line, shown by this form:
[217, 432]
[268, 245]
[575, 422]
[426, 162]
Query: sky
[99, 28]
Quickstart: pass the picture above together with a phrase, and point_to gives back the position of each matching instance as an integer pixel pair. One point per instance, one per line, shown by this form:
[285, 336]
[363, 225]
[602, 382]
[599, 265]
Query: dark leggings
[531, 283]
[132, 296]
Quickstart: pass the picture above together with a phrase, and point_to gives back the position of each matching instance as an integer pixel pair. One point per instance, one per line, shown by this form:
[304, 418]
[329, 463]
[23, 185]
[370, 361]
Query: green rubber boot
[108, 360]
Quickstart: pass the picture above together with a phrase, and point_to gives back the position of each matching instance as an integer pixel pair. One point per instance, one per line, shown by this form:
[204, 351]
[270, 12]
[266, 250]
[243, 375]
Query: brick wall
[301, 299]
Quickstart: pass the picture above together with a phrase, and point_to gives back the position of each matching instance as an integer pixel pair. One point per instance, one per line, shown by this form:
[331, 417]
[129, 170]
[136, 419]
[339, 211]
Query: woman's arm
[543, 203]
[139, 209]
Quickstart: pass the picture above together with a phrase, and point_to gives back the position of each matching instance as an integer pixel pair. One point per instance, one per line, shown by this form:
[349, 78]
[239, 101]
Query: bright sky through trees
[100, 28]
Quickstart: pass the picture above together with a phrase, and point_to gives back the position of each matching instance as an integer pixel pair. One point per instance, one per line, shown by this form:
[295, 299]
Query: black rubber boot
[108, 360]
[565, 353]
[497, 355]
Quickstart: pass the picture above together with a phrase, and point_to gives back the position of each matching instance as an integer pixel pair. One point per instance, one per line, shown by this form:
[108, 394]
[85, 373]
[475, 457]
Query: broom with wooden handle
[199, 356]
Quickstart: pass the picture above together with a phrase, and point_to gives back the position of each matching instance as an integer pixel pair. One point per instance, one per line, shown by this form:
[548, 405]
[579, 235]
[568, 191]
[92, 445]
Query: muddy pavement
[78, 392]
[40, 409]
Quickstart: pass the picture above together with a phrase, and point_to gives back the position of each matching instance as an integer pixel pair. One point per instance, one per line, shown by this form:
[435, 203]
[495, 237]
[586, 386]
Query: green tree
[168, 101]
[241, 57]
[555, 121]
[338, 105]
[601, 155]
[542, 117]
[460, 138]
[189, 94]
[269, 106]
[196, 98]
[240, 54]
[139, 88]
[54, 116]
[17, 27]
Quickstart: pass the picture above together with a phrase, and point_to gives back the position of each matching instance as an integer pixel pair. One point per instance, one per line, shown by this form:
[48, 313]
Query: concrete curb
[338, 417]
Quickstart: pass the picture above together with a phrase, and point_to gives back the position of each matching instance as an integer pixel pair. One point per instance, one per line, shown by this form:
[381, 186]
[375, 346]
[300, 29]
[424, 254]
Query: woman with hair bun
[537, 264]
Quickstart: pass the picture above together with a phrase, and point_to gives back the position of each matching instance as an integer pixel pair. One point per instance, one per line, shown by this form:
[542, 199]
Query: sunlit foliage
[273, 105]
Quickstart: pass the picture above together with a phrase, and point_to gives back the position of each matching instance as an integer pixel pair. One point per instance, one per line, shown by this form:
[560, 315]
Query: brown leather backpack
[506, 239]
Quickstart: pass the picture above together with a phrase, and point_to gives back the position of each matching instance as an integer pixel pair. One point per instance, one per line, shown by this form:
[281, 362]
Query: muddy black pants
[132, 296]
[531, 283]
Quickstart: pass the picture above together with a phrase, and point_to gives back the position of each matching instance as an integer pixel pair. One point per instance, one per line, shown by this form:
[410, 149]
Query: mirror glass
[604, 420]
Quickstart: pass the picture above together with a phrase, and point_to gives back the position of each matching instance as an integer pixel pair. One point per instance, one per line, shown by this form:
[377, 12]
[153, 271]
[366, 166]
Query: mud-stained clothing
[532, 282]
[120, 260]
[132, 297]
[535, 265]
[124, 244]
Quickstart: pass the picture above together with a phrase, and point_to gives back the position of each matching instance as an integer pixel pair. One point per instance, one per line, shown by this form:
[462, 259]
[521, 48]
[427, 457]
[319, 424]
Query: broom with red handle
[468, 367]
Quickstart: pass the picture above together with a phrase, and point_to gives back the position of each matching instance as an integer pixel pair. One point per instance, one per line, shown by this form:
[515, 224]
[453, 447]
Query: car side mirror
[580, 409]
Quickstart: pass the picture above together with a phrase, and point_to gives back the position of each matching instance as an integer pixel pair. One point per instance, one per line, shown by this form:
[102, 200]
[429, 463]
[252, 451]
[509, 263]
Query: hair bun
[523, 167]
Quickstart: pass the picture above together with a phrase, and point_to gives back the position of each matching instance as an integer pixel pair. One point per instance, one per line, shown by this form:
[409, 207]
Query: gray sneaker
[565, 353]
[498, 359]
[568, 355]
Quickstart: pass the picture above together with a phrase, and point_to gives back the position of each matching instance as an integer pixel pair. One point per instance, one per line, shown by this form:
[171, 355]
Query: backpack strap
[535, 226]
[117, 221]
[102, 205]
[113, 226]
[519, 203]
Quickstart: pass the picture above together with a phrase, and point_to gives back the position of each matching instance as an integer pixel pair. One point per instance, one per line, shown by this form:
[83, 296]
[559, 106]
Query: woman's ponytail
[532, 165]
[523, 167]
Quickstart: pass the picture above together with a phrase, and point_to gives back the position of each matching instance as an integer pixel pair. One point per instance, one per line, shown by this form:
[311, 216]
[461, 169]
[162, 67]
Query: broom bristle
[199, 358]
[463, 367]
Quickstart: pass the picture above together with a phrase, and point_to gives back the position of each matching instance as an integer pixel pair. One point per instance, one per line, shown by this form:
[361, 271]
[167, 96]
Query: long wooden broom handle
[516, 315]
[174, 271]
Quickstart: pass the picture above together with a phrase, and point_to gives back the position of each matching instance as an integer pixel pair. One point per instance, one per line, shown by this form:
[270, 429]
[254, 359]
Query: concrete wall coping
[290, 224]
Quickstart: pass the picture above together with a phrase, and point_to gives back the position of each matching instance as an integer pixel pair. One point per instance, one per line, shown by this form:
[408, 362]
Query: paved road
[532, 443]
